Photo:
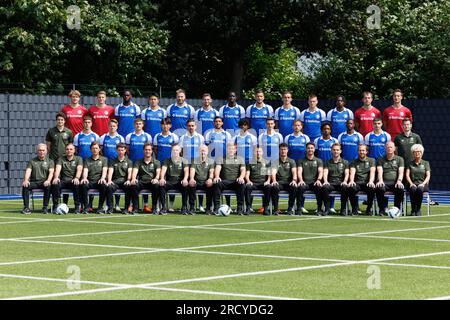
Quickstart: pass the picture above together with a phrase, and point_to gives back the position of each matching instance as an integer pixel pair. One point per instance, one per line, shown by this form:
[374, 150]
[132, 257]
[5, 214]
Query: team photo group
[132, 152]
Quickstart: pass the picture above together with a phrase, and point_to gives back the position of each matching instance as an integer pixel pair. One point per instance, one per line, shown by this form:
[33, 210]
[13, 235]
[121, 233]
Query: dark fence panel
[25, 119]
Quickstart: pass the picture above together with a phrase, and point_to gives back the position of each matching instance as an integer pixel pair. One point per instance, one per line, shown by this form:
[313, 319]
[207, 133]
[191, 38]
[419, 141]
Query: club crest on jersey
[92, 139]
[185, 112]
[383, 139]
[422, 167]
[317, 116]
[345, 116]
[402, 113]
[366, 164]
[106, 113]
[79, 111]
[355, 139]
[373, 115]
[99, 163]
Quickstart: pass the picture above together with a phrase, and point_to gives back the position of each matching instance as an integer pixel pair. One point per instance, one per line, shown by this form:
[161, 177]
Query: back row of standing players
[217, 128]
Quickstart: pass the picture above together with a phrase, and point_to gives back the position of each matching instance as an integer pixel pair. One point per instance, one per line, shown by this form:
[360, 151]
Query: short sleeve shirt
[310, 168]
[95, 168]
[336, 170]
[258, 171]
[69, 167]
[59, 139]
[147, 170]
[362, 168]
[284, 170]
[418, 171]
[120, 173]
[231, 168]
[390, 168]
[202, 170]
[40, 169]
[175, 169]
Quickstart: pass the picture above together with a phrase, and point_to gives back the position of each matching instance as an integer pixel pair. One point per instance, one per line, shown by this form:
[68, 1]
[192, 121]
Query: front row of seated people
[389, 173]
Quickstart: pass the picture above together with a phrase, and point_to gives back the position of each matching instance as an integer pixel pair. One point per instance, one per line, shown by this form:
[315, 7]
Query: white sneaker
[304, 210]
[201, 209]
[333, 211]
[117, 208]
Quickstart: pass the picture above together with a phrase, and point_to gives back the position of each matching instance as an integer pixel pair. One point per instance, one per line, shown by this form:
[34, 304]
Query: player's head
[259, 96]
[74, 96]
[70, 150]
[121, 149]
[287, 97]
[61, 119]
[101, 97]
[310, 148]
[258, 153]
[218, 122]
[417, 151]
[232, 96]
[87, 122]
[113, 125]
[390, 147]
[244, 124]
[231, 149]
[270, 123]
[377, 124]
[138, 124]
[313, 101]
[41, 150]
[297, 126]
[350, 124]
[340, 101]
[95, 148]
[362, 151]
[336, 149]
[127, 94]
[166, 124]
[191, 125]
[148, 150]
[206, 99]
[153, 99]
[406, 125]
[325, 128]
[176, 151]
[367, 98]
[397, 96]
[181, 96]
[284, 148]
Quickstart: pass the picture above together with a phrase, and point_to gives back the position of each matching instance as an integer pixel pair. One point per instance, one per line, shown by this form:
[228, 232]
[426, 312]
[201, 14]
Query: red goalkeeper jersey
[393, 119]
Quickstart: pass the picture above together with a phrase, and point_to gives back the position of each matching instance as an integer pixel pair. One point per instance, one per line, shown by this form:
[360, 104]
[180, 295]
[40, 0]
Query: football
[62, 208]
[394, 212]
[224, 210]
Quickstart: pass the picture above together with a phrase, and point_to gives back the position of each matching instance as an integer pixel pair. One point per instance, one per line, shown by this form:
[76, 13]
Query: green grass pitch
[210, 257]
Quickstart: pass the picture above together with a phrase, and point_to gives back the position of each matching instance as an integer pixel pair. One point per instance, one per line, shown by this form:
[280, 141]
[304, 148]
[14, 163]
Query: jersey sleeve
[48, 137]
[143, 113]
[367, 139]
[138, 110]
[176, 139]
[149, 137]
[192, 111]
[242, 110]
[297, 113]
[316, 143]
[270, 110]
[286, 139]
[254, 140]
[202, 140]
[102, 140]
[228, 138]
[96, 137]
[350, 114]
[122, 139]
[276, 114]
[116, 110]
[181, 141]
[307, 139]
[329, 114]
[248, 112]
[260, 139]
[323, 115]
[361, 138]
[75, 140]
[221, 111]
[388, 137]
[127, 139]
[409, 115]
[340, 137]
[208, 137]
[302, 116]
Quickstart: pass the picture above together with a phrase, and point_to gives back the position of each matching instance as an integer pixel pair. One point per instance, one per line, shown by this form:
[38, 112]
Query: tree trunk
[237, 73]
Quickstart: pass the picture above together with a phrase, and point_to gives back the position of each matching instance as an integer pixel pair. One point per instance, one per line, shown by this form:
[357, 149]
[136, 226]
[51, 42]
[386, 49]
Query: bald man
[38, 175]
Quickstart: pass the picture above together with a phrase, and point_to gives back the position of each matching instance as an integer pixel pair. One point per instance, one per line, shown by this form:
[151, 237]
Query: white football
[62, 208]
[394, 212]
[224, 210]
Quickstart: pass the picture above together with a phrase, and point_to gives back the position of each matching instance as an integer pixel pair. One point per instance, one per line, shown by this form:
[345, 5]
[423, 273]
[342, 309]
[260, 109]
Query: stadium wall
[25, 119]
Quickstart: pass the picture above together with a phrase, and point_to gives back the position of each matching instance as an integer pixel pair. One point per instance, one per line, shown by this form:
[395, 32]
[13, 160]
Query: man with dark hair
[231, 113]
[153, 115]
[258, 112]
[84, 139]
[126, 112]
[205, 115]
[145, 175]
[191, 141]
[119, 177]
[310, 173]
[67, 175]
[101, 114]
[180, 112]
[395, 114]
[312, 118]
[245, 141]
[286, 114]
[230, 174]
[270, 141]
[284, 178]
[365, 115]
[58, 137]
[38, 175]
[405, 140]
[335, 176]
[376, 140]
[135, 141]
[362, 177]
[339, 116]
[350, 140]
